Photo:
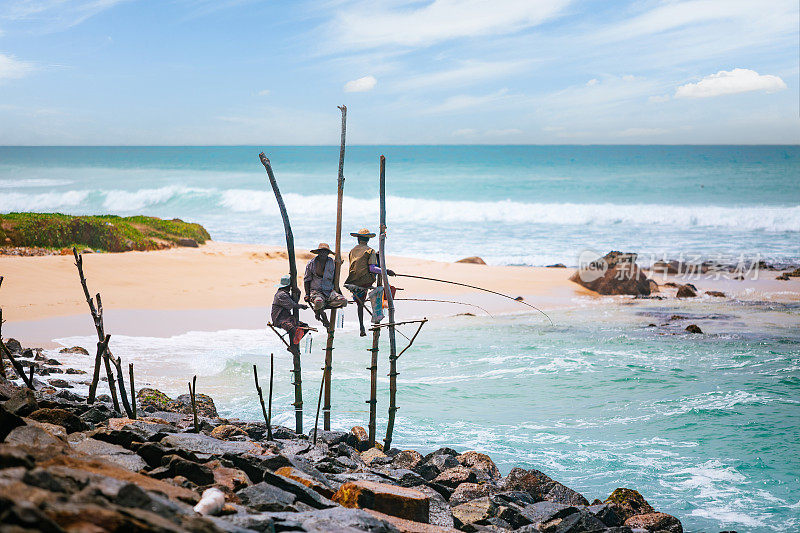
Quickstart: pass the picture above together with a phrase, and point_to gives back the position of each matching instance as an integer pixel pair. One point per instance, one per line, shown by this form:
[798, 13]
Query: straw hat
[285, 281]
[322, 247]
[363, 232]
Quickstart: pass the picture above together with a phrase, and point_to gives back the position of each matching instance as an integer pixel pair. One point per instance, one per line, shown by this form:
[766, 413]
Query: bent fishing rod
[476, 288]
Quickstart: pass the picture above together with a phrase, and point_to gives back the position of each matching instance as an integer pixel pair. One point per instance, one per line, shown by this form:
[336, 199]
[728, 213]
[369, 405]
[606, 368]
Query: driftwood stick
[17, 367]
[387, 442]
[107, 354]
[269, 411]
[413, 338]
[293, 348]
[133, 391]
[30, 376]
[319, 403]
[123, 395]
[373, 385]
[192, 389]
[97, 318]
[101, 349]
[261, 399]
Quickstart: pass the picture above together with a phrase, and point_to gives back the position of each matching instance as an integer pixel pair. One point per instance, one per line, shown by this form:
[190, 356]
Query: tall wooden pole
[373, 385]
[387, 442]
[326, 378]
[293, 348]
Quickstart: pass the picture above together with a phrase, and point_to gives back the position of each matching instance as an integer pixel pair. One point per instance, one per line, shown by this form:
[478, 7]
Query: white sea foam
[769, 218]
[118, 200]
[14, 201]
[32, 182]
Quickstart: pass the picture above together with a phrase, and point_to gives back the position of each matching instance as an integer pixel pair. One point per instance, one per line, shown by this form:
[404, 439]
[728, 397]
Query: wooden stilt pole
[373, 385]
[293, 348]
[17, 366]
[326, 378]
[387, 442]
[2, 365]
[319, 402]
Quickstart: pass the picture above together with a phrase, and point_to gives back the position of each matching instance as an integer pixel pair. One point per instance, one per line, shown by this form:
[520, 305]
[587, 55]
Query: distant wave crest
[769, 218]
[419, 210]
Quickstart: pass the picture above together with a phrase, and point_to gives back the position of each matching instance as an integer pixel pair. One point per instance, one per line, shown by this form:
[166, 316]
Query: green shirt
[361, 256]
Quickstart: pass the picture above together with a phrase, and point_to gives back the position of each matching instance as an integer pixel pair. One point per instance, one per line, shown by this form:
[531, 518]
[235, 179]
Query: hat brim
[280, 286]
[365, 235]
[318, 250]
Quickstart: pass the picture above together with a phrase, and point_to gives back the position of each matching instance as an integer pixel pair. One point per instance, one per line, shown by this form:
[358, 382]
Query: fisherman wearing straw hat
[363, 270]
[283, 306]
[318, 281]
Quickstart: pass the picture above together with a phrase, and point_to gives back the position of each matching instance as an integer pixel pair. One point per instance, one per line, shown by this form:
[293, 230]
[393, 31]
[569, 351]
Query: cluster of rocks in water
[69, 466]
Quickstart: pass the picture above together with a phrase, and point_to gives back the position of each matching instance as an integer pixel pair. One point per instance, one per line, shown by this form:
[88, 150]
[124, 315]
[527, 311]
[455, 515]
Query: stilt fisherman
[283, 306]
[318, 282]
[363, 271]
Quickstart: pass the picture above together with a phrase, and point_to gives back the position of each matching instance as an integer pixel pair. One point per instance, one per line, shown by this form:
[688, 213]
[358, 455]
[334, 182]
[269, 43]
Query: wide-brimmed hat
[285, 281]
[322, 247]
[363, 232]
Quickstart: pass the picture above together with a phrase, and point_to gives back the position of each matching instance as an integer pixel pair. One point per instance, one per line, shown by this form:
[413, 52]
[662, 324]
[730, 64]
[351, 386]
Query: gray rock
[439, 510]
[99, 413]
[303, 493]
[199, 443]
[335, 519]
[606, 514]
[265, 497]
[152, 453]
[13, 346]
[435, 465]
[13, 457]
[112, 453]
[8, 422]
[34, 437]
[178, 466]
[22, 402]
[562, 494]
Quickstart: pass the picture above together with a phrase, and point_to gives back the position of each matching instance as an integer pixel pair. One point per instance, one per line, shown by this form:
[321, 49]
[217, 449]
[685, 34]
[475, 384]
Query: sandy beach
[228, 276]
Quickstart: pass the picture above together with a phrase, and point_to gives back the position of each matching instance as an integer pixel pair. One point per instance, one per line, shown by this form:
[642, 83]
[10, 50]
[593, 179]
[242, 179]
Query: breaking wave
[419, 210]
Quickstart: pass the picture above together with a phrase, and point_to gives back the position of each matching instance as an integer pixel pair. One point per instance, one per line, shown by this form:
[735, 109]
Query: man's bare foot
[363, 333]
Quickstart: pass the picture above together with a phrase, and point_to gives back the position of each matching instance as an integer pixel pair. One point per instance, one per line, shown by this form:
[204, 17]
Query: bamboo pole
[387, 442]
[123, 395]
[2, 364]
[326, 378]
[133, 391]
[373, 385]
[293, 348]
[319, 402]
[97, 317]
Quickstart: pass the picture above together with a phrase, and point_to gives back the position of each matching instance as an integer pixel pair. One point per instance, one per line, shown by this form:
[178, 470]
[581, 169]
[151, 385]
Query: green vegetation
[107, 232]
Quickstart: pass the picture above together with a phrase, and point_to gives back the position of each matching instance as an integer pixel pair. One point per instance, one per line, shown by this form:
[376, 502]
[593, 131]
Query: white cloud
[265, 92]
[659, 99]
[738, 80]
[465, 132]
[504, 133]
[367, 83]
[640, 132]
[593, 81]
[409, 23]
[466, 101]
[12, 68]
[468, 73]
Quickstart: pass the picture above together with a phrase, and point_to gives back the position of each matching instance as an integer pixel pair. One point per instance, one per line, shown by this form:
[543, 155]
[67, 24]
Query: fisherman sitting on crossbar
[283, 306]
[318, 281]
[363, 270]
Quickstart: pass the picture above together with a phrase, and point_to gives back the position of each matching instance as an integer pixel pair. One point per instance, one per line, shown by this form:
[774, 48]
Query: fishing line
[477, 288]
[442, 301]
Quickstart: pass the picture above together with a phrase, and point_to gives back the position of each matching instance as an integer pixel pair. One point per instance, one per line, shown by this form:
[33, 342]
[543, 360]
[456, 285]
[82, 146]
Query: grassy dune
[109, 233]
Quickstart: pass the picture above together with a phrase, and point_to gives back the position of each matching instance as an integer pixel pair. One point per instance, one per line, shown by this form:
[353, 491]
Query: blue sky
[421, 72]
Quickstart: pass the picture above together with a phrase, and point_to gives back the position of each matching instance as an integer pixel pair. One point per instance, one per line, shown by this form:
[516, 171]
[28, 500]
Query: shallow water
[705, 426]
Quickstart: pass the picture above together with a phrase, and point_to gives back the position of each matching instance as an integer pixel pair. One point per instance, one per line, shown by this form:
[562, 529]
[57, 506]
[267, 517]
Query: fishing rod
[442, 301]
[477, 288]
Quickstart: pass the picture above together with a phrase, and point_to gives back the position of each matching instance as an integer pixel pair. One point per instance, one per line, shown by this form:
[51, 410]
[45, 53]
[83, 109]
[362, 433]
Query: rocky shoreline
[69, 466]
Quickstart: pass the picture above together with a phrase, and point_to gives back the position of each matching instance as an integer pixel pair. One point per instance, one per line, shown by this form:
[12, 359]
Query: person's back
[361, 257]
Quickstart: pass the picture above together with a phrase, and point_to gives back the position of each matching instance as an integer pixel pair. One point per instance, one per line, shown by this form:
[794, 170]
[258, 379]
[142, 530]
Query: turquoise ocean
[706, 427]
